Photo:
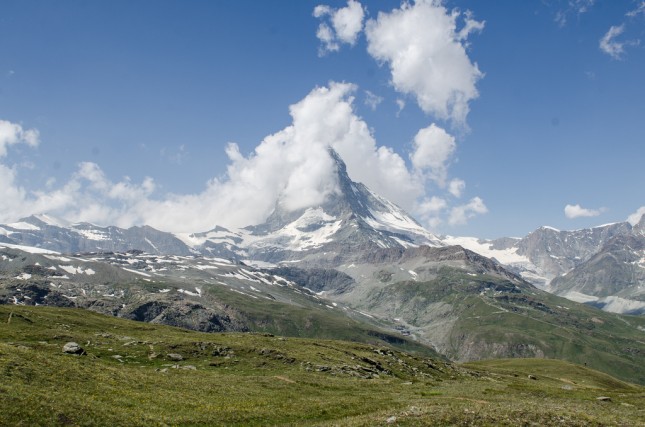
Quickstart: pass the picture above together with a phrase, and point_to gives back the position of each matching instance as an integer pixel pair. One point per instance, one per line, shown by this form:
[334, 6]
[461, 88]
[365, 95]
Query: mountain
[460, 304]
[43, 231]
[612, 279]
[599, 265]
[193, 292]
[468, 307]
[352, 219]
[545, 253]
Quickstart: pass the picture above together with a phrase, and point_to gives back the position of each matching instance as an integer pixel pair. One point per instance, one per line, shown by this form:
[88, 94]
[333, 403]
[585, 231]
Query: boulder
[73, 348]
[174, 356]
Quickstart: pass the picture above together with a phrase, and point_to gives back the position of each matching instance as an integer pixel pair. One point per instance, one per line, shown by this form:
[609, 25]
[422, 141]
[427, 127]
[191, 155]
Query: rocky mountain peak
[352, 210]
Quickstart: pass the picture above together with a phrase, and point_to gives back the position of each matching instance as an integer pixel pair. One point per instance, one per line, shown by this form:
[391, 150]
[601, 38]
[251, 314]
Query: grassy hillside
[129, 375]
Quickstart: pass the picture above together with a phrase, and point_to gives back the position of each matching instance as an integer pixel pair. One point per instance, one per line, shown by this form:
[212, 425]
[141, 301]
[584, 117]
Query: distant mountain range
[359, 267]
[603, 266]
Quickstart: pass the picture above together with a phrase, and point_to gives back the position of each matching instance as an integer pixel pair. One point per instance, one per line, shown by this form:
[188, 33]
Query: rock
[188, 367]
[73, 348]
[391, 420]
[174, 356]
[604, 399]
[532, 377]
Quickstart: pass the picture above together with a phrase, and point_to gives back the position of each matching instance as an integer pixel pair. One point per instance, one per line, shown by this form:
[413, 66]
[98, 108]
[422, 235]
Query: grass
[261, 379]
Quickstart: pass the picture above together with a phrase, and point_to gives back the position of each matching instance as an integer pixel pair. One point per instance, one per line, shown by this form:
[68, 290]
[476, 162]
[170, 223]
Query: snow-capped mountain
[545, 253]
[612, 279]
[603, 266]
[46, 232]
[352, 219]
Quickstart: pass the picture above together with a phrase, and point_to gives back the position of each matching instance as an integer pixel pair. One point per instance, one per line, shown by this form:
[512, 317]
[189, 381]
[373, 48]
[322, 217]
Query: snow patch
[141, 273]
[93, 234]
[580, 297]
[29, 249]
[21, 225]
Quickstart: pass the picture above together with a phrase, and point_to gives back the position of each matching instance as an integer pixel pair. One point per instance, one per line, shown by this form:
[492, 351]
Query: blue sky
[135, 103]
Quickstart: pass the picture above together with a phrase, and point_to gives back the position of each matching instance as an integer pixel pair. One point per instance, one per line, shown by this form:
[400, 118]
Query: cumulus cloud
[342, 25]
[433, 148]
[430, 210]
[87, 196]
[13, 133]
[456, 187]
[460, 214]
[427, 56]
[291, 168]
[577, 211]
[634, 218]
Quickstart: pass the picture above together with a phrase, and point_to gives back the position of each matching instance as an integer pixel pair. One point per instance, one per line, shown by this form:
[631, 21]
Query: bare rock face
[73, 348]
[557, 252]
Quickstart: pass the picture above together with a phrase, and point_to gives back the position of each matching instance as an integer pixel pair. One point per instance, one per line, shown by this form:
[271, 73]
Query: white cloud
[401, 105]
[456, 187]
[433, 148]
[291, 167]
[372, 100]
[634, 218]
[427, 56]
[13, 133]
[613, 47]
[344, 25]
[577, 7]
[460, 214]
[577, 211]
[609, 45]
[640, 10]
[430, 210]
[326, 35]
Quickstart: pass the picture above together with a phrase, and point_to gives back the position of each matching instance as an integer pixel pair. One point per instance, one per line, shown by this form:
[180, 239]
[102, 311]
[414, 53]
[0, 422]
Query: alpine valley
[356, 267]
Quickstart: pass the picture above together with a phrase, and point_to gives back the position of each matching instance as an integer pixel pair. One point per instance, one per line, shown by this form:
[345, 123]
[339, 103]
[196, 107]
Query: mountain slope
[470, 308]
[613, 279]
[194, 292]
